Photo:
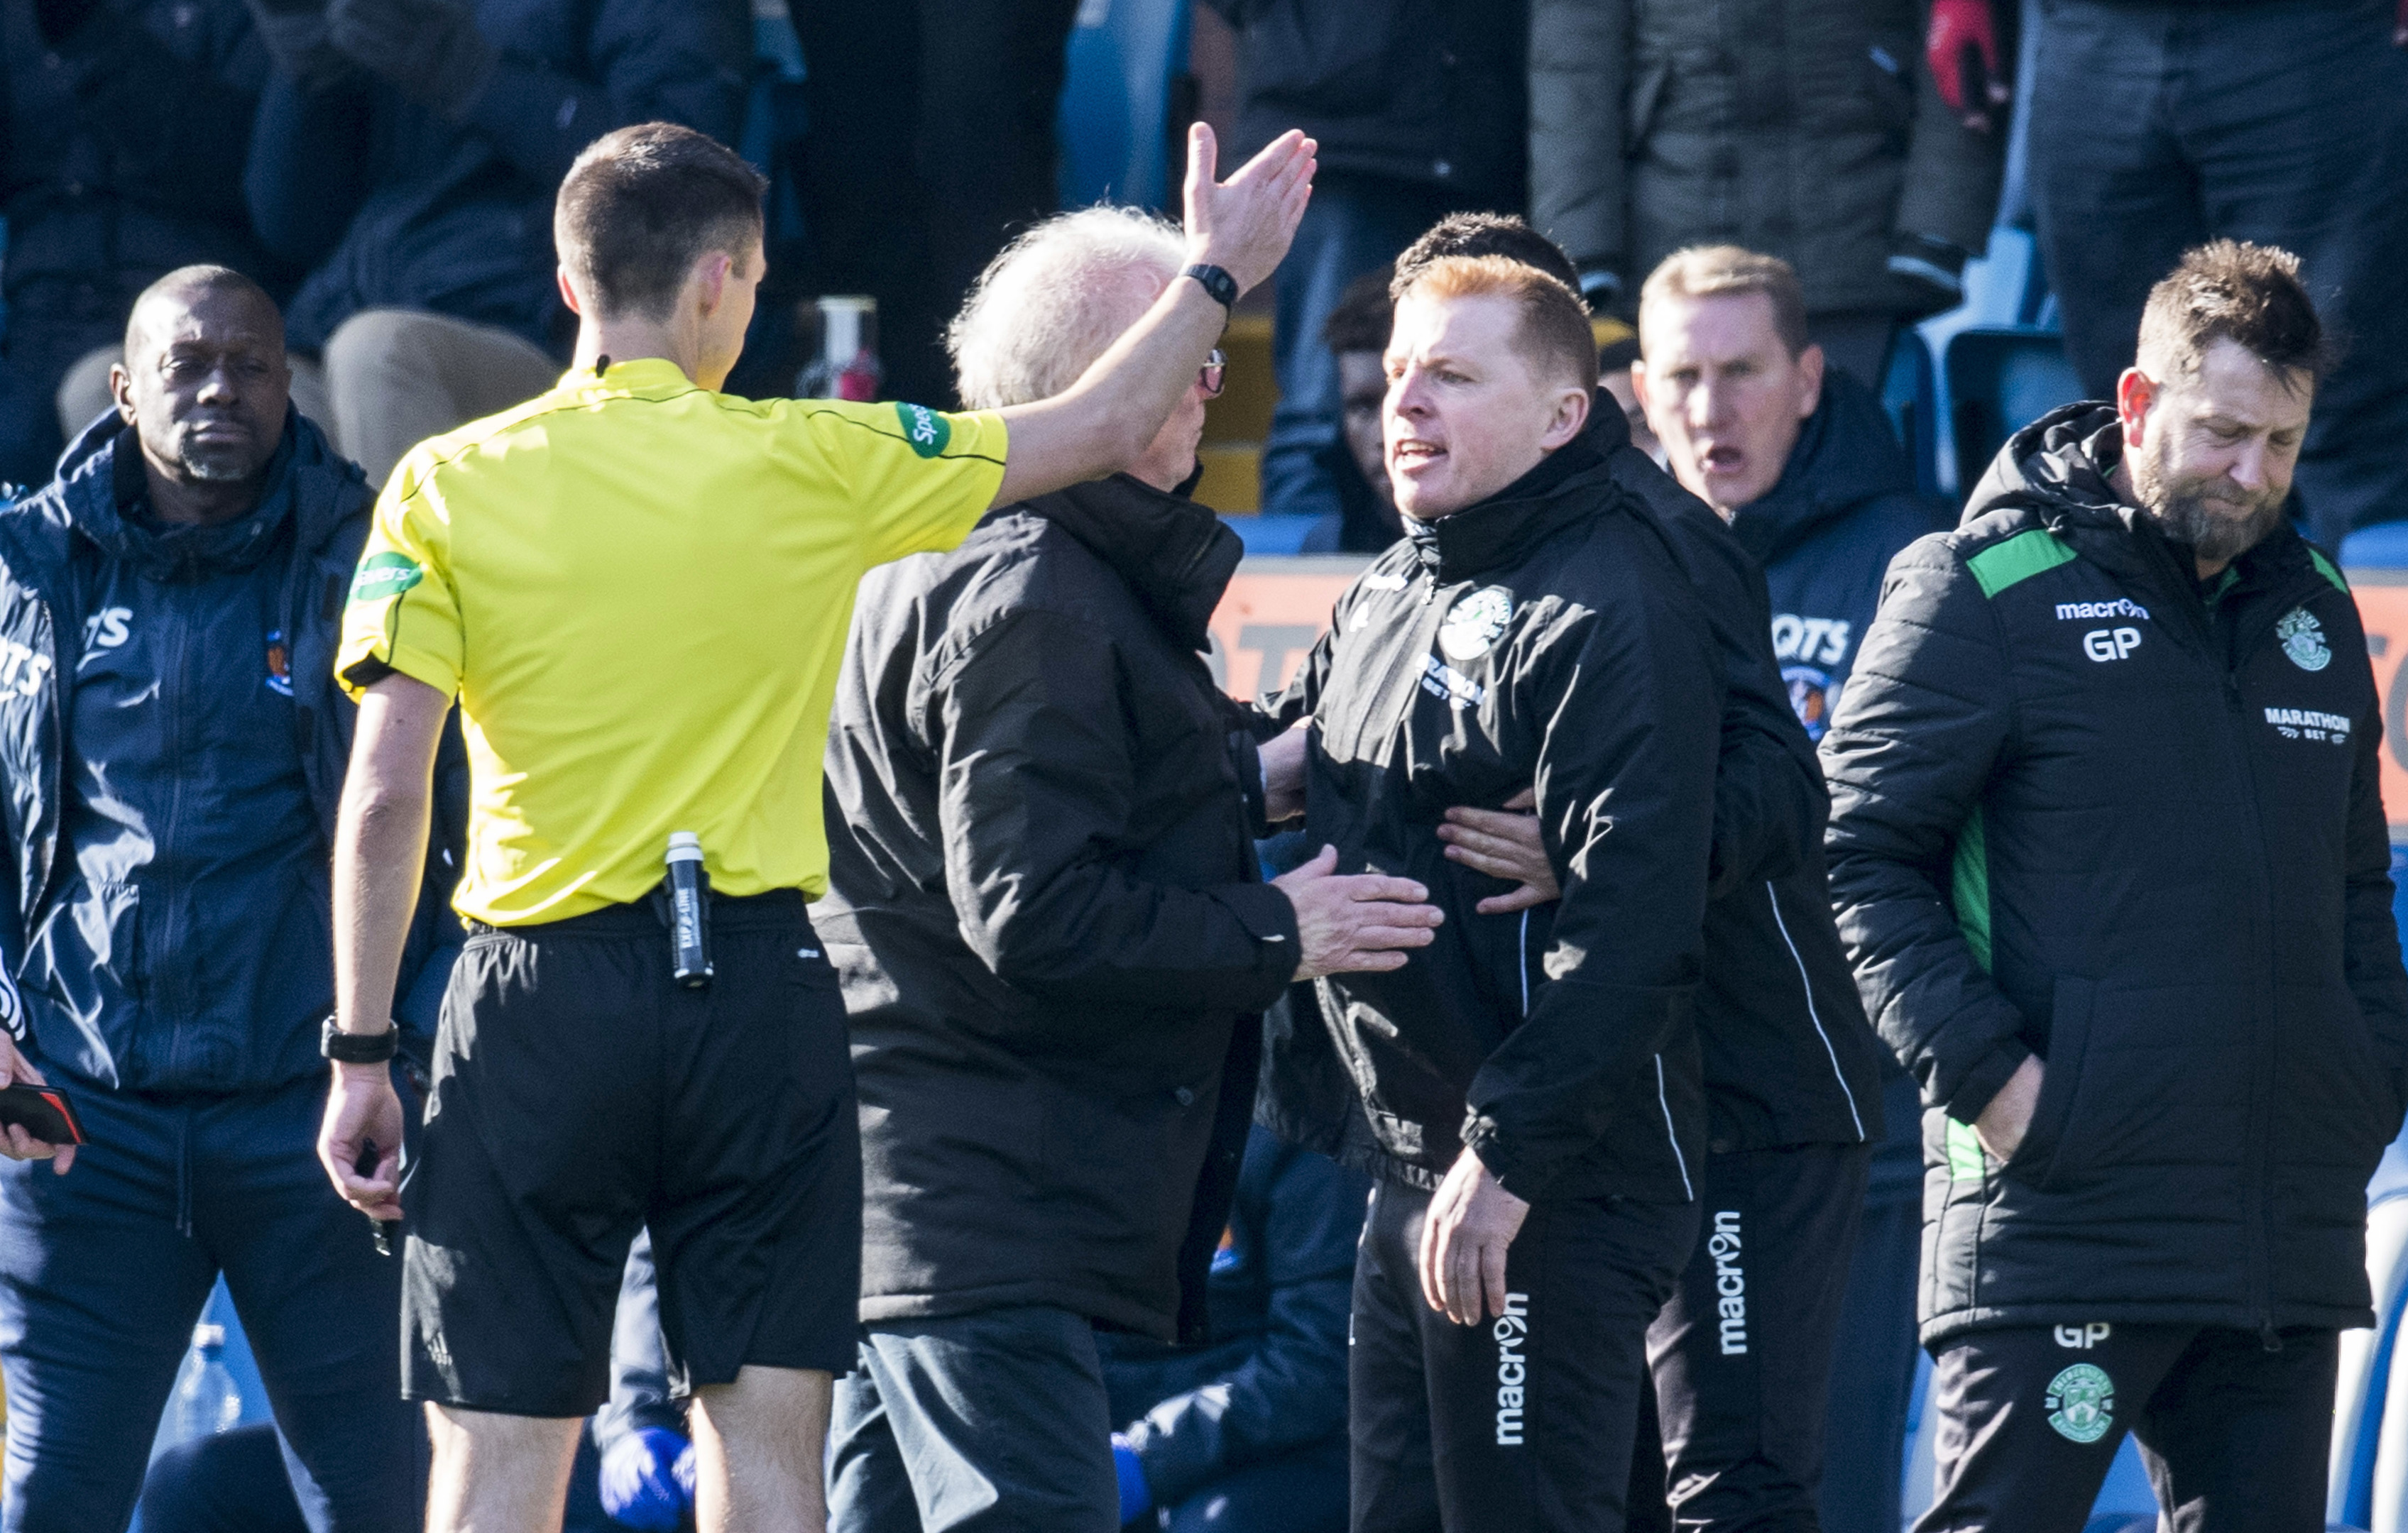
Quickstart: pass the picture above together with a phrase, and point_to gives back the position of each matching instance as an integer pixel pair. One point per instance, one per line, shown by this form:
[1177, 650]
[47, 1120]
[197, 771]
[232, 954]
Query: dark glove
[1962, 49]
[1932, 270]
[431, 49]
[296, 35]
[647, 1479]
[1136, 1496]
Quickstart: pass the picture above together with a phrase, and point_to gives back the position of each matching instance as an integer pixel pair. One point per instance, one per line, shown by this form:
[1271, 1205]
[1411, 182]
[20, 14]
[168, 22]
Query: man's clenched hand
[1355, 922]
[364, 1116]
[1470, 1225]
[1243, 224]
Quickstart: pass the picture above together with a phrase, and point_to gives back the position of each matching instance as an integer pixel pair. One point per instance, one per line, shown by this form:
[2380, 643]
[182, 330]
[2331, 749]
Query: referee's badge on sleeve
[383, 575]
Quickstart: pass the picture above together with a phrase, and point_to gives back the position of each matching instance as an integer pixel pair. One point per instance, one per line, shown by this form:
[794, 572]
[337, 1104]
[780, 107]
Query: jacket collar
[1497, 532]
[1844, 456]
[2058, 469]
[1176, 555]
[308, 487]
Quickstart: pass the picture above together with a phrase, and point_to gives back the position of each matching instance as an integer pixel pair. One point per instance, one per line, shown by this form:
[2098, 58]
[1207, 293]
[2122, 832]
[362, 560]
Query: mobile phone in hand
[42, 1112]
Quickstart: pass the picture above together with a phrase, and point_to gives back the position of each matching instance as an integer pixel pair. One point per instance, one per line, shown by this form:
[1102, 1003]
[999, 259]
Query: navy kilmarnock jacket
[393, 207]
[53, 549]
[1824, 532]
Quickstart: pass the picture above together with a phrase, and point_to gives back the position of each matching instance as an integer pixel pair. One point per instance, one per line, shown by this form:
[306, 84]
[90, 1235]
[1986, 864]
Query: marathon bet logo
[924, 428]
[2081, 1403]
[2306, 723]
[1731, 1282]
[383, 575]
[2303, 640]
[1513, 1334]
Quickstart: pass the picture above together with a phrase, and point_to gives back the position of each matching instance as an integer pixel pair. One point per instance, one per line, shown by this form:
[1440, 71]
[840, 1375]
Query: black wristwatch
[1219, 283]
[358, 1048]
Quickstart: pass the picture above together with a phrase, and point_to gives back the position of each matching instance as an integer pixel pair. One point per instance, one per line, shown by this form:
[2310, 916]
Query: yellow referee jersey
[638, 590]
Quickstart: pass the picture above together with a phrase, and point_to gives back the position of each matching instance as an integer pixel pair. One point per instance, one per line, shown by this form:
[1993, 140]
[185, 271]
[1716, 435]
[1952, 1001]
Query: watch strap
[358, 1048]
[1213, 280]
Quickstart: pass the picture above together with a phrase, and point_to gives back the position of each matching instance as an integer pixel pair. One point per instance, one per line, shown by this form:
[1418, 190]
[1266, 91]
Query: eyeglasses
[1215, 372]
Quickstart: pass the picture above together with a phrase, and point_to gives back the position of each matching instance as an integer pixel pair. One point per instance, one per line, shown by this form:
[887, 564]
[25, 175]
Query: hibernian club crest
[2303, 640]
[2081, 1403]
[1474, 622]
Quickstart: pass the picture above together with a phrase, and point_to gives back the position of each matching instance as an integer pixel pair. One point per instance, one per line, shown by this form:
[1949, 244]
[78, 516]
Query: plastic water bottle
[846, 366]
[207, 1401]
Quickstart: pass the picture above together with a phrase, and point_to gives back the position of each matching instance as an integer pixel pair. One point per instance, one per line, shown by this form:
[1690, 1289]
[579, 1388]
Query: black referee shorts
[578, 1094]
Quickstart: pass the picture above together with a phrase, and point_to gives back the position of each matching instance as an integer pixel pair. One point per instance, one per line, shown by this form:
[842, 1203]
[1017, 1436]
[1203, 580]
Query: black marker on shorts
[689, 910]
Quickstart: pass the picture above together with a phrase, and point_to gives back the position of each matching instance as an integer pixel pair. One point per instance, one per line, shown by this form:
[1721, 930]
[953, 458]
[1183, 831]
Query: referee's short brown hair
[640, 205]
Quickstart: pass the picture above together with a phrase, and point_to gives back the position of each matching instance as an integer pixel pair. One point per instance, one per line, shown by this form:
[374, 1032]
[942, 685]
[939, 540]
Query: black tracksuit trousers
[2234, 1434]
[1523, 1423]
[1742, 1355]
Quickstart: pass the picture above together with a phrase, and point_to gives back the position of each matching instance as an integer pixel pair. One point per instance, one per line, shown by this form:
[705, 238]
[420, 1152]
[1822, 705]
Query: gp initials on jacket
[22, 667]
[2111, 643]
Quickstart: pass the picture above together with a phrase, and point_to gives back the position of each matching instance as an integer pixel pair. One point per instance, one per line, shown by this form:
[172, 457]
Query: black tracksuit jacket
[1046, 912]
[1789, 1056]
[2084, 809]
[1544, 638]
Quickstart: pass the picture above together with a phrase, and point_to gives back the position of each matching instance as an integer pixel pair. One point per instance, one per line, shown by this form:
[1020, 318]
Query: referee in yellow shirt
[637, 588]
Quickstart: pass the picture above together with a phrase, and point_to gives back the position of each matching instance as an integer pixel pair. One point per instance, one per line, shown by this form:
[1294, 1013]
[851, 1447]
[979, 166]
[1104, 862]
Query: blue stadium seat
[1277, 536]
[1998, 381]
[2383, 546]
[1114, 120]
[1911, 394]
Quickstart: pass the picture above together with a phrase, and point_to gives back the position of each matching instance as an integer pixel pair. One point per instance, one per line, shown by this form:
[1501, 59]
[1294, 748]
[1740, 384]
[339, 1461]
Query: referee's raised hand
[1243, 224]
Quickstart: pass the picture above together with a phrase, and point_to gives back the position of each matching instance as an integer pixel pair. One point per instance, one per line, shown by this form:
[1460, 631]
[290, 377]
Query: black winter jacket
[45, 559]
[1423, 91]
[1272, 1378]
[1046, 909]
[1807, 129]
[2082, 813]
[126, 126]
[1788, 1056]
[1845, 504]
[393, 207]
[1544, 638]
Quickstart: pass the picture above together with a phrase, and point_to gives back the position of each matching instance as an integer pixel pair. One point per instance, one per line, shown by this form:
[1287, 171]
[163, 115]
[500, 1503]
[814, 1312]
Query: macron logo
[2084, 611]
[1731, 1282]
[1513, 1334]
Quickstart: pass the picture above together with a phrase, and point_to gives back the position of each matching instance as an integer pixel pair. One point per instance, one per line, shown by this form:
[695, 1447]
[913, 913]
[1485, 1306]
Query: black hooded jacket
[2089, 810]
[1788, 1056]
[1544, 638]
[1045, 903]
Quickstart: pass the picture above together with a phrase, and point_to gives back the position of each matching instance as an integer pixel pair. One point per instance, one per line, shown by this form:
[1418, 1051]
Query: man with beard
[173, 750]
[2109, 855]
